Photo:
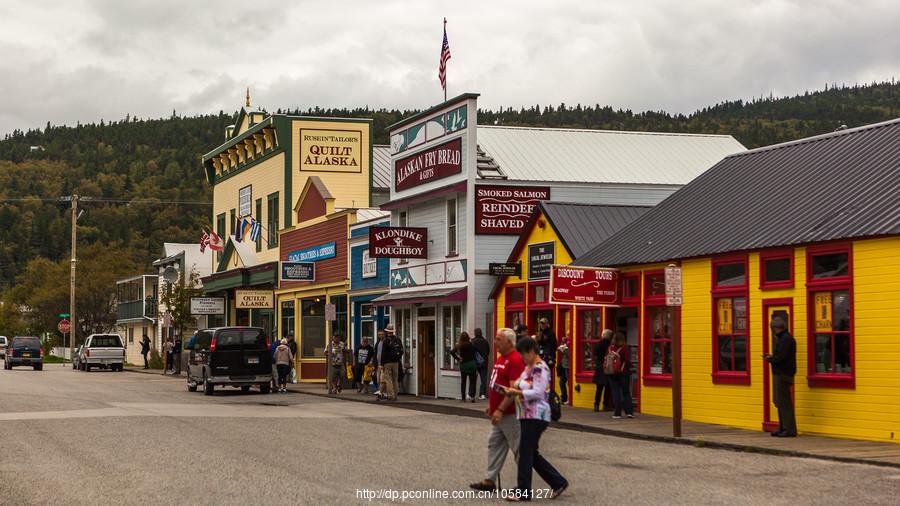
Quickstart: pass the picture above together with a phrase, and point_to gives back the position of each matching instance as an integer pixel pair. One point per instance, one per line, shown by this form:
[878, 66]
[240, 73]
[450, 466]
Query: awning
[422, 296]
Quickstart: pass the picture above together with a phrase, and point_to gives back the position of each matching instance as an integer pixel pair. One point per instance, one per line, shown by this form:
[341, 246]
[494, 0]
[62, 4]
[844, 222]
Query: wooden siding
[357, 282]
[329, 270]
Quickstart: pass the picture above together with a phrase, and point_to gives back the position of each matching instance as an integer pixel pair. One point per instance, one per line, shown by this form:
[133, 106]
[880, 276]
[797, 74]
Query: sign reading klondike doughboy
[254, 299]
[398, 242]
[330, 150]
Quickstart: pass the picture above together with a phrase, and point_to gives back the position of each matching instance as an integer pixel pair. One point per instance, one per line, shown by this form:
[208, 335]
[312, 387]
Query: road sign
[63, 315]
[63, 326]
[673, 285]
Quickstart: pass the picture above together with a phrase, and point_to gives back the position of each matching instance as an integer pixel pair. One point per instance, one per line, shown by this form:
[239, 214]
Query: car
[3, 343]
[24, 350]
[76, 358]
[105, 351]
[229, 356]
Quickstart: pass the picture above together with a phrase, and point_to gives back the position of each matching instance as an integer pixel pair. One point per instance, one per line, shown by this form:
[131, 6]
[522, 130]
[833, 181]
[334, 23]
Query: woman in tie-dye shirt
[531, 392]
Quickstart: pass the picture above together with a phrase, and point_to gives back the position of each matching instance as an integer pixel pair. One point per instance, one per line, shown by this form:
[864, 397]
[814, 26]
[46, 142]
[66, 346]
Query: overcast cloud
[83, 60]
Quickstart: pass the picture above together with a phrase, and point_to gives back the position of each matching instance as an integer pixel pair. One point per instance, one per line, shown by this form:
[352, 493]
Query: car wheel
[245, 388]
[207, 387]
[192, 387]
[87, 367]
[265, 388]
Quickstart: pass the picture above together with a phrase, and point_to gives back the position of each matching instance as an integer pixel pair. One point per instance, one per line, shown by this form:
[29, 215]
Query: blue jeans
[482, 373]
[530, 458]
[621, 393]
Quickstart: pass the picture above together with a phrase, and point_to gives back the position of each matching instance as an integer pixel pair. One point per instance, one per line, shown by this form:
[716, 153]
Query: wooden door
[425, 357]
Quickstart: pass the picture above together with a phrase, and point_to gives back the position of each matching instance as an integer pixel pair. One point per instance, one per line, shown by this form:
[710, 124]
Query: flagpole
[445, 73]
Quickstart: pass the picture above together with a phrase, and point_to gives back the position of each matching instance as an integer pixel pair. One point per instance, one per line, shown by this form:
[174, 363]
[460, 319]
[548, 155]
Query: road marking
[134, 409]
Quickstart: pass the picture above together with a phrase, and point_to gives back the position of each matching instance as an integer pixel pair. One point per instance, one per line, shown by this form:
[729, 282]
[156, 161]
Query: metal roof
[583, 226]
[829, 187]
[602, 156]
[381, 167]
[367, 214]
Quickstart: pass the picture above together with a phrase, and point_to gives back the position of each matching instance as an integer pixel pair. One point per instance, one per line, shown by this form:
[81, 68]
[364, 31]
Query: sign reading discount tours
[504, 210]
[428, 165]
[584, 285]
[398, 242]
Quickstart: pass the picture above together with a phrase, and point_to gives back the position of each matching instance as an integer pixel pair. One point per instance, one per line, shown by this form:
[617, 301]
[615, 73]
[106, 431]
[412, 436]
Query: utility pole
[72, 318]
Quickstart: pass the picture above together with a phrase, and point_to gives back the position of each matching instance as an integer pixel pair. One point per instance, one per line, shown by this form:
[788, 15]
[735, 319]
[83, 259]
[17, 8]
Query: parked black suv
[24, 350]
[229, 356]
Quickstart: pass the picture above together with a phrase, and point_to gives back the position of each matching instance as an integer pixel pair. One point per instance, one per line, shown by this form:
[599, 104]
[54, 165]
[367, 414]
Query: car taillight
[212, 344]
[87, 352]
[42, 353]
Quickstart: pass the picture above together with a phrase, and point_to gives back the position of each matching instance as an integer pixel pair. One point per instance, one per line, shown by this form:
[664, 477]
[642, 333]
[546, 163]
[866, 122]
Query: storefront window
[312, 328]
[367, 310]
[631, 284]
[731, 334]
[339, 325]
[514, 319]
[831, 349]
[287, 318]
[830, 265]
[451, 228]
[659, 339]
[777, 269]
[731, 274]
[515, 295]
[832, 327]
[589, 331]
[452, 327]
[539, 294]
[656, 285]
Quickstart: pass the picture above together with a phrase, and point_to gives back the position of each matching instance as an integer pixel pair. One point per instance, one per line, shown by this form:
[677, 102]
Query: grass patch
[53, 359]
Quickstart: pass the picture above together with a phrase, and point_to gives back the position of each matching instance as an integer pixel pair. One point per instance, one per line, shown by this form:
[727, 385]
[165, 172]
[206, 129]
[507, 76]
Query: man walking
[145, 349]
[547, 344]
[784, 368]
[484, 350]
[501, 409]
[378, 375]
[391, 355]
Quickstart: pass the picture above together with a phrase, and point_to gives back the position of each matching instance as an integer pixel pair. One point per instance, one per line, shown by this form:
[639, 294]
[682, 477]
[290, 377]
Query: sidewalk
[657, 428]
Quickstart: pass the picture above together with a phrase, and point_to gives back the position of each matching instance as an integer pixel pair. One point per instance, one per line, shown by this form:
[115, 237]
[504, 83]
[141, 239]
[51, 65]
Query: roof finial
[248, 97]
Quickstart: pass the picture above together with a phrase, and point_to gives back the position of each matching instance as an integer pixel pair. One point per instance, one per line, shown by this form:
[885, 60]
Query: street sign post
[64, 326]
[674, 300]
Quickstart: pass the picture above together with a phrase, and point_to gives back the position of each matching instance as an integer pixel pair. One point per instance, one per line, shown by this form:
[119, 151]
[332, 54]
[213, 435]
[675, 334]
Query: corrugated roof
[583, 226]
[829, 187]
[367, 214]
[602, 156]
[381, 167]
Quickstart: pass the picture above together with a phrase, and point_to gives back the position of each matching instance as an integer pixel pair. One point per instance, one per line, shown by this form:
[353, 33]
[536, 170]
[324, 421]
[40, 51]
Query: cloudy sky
[82, 60]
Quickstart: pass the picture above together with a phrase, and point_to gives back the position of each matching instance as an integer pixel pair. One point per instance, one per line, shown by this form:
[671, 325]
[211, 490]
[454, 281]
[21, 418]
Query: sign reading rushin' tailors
[584, 285]
[505, 209]
[398, 242]
[428, 165]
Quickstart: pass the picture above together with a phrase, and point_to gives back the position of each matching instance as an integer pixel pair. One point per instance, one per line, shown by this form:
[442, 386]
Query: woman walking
[464, 353]
[284, 361]
[619, 363]
[533, 409]
[600, 379]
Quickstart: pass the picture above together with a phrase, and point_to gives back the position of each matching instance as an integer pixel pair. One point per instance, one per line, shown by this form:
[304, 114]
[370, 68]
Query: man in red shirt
[504, 436]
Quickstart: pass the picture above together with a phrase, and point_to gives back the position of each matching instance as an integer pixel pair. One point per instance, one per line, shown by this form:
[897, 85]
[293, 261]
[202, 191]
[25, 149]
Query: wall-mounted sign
[540, 258]
[673, 286]
[584, 285]
[330, 150]
[428, 165]
[330, 312]
[369, 265]
[823, 308]
[725, 316]
[245, 199]
[298, 271]
[207, 305]
[398, 242]
[505, 209]
[254, 299]
[505, 269]
[314, 254]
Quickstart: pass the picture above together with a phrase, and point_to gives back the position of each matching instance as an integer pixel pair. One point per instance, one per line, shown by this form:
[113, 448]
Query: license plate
[252, 360]
[26, 355]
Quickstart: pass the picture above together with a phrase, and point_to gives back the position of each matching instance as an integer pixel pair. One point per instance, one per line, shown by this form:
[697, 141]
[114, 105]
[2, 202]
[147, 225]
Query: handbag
[367, 373]
[479, 359]
[349, 370]
[555, 408]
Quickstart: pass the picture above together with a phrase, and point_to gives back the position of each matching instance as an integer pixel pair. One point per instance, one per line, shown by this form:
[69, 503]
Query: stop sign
[64, 326]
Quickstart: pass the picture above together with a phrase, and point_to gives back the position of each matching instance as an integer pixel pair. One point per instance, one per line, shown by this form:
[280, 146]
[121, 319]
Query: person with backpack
[482, 352]
[464, 353]
[391, 355]
[600, 379]
[617, 367]
[531, 392]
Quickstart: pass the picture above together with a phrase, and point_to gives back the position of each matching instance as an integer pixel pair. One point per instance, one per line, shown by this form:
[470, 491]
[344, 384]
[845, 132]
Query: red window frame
[580, 370]
[775, 255]
[533, 303]
[731, 377]
[652, 302]
[631, 299]
[515, 307]
[832, 284]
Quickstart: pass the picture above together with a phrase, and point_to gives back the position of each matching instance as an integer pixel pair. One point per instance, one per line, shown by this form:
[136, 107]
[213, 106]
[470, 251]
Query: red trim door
[772, 307]
[563, 332]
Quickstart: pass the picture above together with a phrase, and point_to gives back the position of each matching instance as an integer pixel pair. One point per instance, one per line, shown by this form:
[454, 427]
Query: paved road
[125, 438]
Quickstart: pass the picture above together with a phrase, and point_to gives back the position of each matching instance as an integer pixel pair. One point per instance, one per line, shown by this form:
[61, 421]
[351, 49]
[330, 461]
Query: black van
[24, 350]
[229, 356]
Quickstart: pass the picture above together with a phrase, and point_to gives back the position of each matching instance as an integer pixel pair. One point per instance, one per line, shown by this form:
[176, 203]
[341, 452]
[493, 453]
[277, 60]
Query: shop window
[830, 296]
[452, 327]
[366, 310]
[403, 330]
[130, 334]
[730, 358]
[589, 331]
[287, 319]
[776, 269]
[514, 319]
[656, 285]
[515, 295]
[538, 293]
[452, 237]
[339, 325]
[631, 287]
[426, 312]
[272, 220]
[659, 334]
[730, 274]
[233, 222]
[312, 327]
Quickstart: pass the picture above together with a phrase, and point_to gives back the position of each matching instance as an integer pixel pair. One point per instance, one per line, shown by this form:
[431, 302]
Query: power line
[108, 200]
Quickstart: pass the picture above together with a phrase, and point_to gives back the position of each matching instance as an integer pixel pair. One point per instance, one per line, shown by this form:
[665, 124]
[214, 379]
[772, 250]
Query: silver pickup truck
[102, 350]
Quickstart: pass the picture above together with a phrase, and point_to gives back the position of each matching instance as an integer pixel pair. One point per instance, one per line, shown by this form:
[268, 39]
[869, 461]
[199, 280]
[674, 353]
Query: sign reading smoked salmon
[330, 150]
[428, 165]
[398, 242]
[504, 210]
[584, 285]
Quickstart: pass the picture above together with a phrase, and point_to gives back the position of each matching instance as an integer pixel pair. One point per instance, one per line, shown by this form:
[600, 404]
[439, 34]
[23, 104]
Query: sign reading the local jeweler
[254, 299]
[540, 257]
[298, 271]
[504, 210]
[330, 150]
[429, 165]
[398, 242]
[584, 285]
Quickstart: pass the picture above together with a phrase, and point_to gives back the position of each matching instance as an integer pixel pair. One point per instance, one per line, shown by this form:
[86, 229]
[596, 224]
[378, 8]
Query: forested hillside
[118, 162]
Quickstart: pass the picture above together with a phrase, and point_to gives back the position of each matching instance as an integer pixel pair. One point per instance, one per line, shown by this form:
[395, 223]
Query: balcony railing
[136, 309]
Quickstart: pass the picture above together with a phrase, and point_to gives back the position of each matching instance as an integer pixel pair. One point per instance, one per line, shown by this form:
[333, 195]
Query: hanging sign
[298, 271]
[504, 210]
[428, 165]
[540, 258]
[823, 316]
[398, 242]
[584, 285]
[505, 269]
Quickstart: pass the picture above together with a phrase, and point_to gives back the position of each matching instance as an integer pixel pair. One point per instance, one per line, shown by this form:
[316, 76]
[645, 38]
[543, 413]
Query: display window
[831, 348]
[731, 343]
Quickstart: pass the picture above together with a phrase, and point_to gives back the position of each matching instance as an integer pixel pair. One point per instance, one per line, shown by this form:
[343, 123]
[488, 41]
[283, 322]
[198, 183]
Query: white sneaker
[616, 417]
[481, 397]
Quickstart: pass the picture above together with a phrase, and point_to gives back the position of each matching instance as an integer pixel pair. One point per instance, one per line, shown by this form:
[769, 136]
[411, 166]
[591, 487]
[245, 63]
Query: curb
[699, 443]
[155, 372]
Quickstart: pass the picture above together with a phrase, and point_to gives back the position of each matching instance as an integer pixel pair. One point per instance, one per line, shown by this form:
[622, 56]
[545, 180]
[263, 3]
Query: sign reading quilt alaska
[504, 210]
[398, 242]
[428, 165]
[330, 150]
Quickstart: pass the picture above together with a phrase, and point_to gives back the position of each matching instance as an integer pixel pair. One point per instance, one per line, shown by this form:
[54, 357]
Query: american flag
[445, 55]
[204, 241]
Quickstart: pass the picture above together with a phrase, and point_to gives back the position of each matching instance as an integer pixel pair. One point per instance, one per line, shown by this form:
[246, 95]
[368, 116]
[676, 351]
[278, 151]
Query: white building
[472, 188]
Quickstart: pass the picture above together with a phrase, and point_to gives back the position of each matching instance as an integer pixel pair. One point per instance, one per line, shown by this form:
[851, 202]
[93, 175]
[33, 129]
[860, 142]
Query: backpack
[479, 359]
[612, 363]
[555, 407]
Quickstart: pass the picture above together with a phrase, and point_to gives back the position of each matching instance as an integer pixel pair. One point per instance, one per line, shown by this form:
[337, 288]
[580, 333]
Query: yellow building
[258, 172]
[809, 230]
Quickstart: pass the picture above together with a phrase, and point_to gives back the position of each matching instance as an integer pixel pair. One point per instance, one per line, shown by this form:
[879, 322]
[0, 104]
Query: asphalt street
[72, 437]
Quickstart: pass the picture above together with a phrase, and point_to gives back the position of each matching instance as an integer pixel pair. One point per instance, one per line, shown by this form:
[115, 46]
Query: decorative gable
[315, 201]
